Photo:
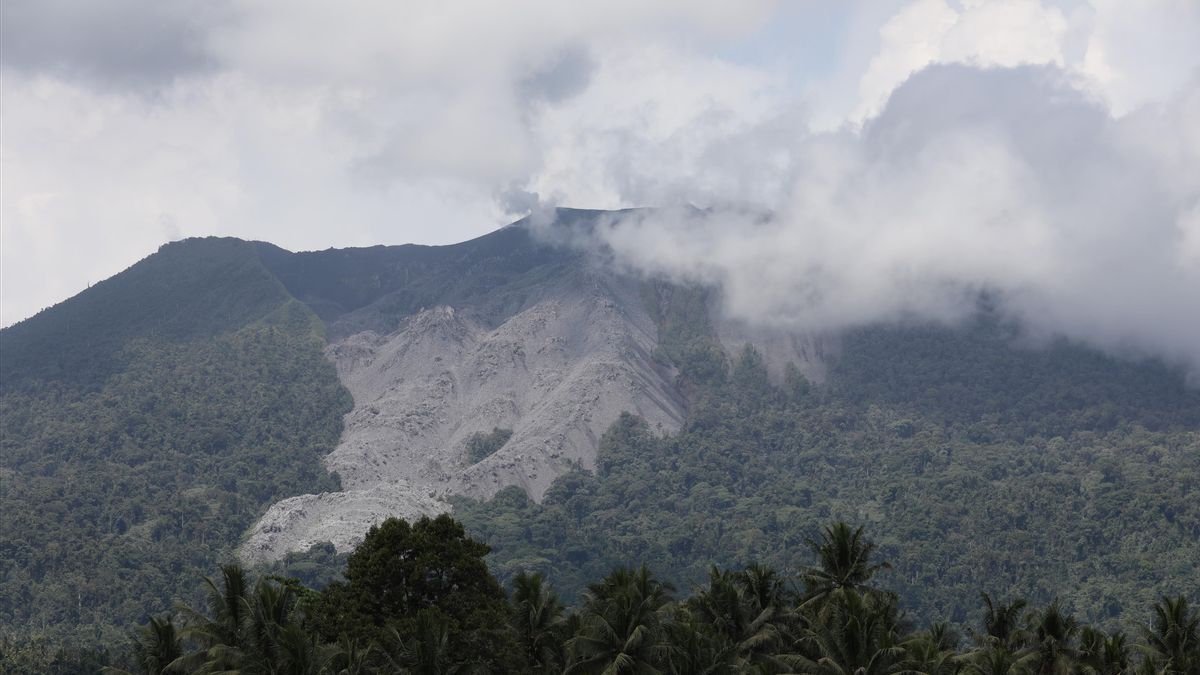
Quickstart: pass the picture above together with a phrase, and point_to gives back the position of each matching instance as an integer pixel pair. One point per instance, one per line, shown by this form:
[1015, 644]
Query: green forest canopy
[419, 599]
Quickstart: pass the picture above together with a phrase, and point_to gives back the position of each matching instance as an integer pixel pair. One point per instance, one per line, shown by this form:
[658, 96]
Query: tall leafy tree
[399, 570]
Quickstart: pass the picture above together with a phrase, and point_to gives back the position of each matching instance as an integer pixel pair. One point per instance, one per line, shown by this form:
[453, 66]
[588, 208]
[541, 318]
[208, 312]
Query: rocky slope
[557, 373]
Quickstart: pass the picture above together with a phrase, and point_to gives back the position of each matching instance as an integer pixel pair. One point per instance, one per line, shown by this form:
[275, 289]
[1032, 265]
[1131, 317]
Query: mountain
[225, 398]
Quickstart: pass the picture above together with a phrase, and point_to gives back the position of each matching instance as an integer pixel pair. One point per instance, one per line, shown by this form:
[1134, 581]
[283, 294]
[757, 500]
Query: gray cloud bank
[1004, 181]
[128, 44]
[1065, 181]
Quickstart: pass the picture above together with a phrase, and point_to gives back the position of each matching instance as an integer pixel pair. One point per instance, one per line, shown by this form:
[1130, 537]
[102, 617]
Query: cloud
[1008, 181]
[315, 124]
[122, 44]
[308, 124]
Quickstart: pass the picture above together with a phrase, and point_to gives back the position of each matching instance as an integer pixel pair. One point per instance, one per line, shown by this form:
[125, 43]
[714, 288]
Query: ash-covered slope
[498, 333]
[557, 373]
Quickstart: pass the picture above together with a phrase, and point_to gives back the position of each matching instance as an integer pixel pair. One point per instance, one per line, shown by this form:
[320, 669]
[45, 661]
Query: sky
[909, 153]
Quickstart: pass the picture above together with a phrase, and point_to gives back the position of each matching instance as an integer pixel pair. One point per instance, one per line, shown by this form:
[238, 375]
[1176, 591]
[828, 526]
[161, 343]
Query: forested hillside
[146, 424]
[980, 464]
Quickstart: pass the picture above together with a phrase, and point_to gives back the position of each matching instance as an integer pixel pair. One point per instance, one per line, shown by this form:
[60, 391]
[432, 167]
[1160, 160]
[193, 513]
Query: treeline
[419, 599]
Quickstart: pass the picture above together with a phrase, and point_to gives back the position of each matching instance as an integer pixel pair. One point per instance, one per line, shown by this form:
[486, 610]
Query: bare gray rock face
[557, 373]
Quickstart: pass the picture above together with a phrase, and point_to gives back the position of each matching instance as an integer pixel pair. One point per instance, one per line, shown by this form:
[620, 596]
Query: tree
[537, 615]
[843, 563]
[747, 614]
[1101, 654]
[252, 631]
[852, 634]
[399, 570]
[222, 631]
[1001, 624]
[1052, 649]
[622, 627]
[932, 652]
[1173, 638]
[155, 647]
[426, 648]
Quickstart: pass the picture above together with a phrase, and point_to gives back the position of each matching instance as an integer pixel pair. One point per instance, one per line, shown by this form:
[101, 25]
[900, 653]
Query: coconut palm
[537, 615]
[747, 614]
[843, 563]
[250, 631]
[1101, 654]
[350, 657]
[155, 647]
[221, 632]
[622, 628]
[1051, 649]
[1173, 638]
[1001, 624]
[696, 649]
[994, 660]
[852, 634]
[932, 652]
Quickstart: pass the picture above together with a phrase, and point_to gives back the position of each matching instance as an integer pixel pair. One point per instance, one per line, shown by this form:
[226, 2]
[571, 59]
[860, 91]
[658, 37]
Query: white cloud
[306, 123]
[1005, 181]
[312, 124]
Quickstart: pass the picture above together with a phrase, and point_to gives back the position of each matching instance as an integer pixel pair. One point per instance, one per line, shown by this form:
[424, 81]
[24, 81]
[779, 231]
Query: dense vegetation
[419, 599]
[376, 288]
[480, 446]
[145, 426]
[1032, 472]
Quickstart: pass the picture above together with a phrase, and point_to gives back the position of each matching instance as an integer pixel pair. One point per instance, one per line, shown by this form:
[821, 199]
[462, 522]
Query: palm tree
[1001, 624]
[1173, 639]
[994, 660]
[349, 657]
[852, 634]
[155, 647]
[1101, 654]
[931, 653]
[221, 632]
[426, 650]
[537, 614]
[622, 626]
[843, 563]
[747, 614]
[251, 631]
[696, 649]
[1051, 650]
[765, 586]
